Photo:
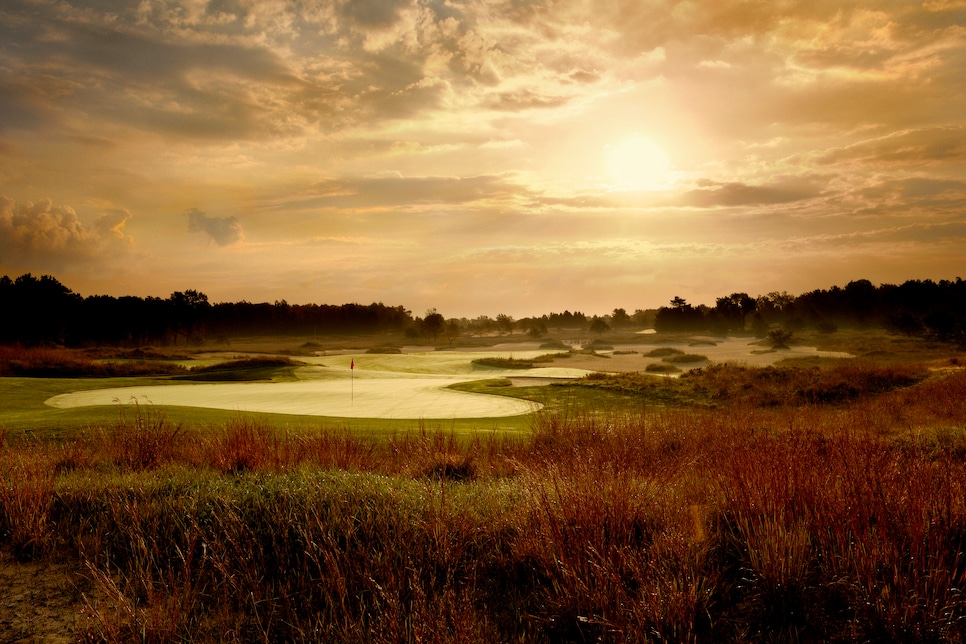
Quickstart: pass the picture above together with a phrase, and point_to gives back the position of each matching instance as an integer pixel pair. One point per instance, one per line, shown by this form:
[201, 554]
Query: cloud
[224, 231]
[394, 190]
[740, 194]
[44, 236]
[372, 13]
[904, 147]
[524, 100]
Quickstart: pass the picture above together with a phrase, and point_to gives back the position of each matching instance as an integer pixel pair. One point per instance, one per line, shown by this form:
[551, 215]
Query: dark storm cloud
[224, 231]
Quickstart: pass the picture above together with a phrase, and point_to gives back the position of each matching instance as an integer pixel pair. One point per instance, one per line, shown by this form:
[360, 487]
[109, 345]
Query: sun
[638, 163]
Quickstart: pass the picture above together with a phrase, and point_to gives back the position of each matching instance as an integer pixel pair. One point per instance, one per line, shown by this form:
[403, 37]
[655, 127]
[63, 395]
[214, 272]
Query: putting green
[393, 387]
[364, 398]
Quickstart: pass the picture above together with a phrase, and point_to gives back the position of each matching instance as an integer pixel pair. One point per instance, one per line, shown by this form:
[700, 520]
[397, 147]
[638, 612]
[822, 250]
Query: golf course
[629, 487]
[411, 385]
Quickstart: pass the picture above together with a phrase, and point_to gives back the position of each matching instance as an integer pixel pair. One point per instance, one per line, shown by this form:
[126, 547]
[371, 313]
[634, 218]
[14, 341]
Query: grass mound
[663, 352]
[659, 367]
[685, 358]
[43, 362]
[385, 350]
[554, 344]
[771, 386]
[504, 363]
[248, 369]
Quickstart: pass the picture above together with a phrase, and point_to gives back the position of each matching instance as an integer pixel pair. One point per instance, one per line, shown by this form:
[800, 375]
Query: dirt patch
[40, 602]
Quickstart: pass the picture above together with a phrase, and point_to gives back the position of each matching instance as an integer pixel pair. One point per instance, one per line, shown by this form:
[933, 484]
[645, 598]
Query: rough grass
[801, 521]
[726, 384]
[45, 362]
[685, 358]
[504, 363]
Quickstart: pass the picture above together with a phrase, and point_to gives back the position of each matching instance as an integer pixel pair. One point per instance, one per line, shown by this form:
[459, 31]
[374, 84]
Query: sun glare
[637, 163]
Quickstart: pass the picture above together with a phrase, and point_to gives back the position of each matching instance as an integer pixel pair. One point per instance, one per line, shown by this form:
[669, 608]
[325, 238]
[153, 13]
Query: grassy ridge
[43, 362]
[246, 370]
[750, 521]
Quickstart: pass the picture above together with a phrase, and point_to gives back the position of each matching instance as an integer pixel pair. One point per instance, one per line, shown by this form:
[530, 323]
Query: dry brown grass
[745, 522]
[56, 362]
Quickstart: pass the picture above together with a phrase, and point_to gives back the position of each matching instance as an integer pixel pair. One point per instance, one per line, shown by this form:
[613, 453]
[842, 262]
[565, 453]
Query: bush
[662, 352]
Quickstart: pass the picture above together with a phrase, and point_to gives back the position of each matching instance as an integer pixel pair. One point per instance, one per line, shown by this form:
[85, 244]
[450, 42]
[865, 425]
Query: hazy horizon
[481, 157]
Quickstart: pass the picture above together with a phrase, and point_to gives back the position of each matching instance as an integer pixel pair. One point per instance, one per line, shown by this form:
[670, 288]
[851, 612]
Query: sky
[482, 156]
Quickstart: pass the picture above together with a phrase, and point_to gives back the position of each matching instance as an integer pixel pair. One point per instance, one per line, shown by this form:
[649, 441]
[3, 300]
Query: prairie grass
[53, 362]
[801, 520]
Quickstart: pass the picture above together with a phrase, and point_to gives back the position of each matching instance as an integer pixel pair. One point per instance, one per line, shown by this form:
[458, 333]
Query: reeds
[740, 523]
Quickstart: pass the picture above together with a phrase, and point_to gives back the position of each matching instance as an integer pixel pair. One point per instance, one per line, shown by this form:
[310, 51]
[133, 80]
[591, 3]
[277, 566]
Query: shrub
[662, 352]
[685, 358]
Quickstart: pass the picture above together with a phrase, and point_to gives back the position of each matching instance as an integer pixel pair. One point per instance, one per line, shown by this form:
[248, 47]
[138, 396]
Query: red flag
[352, 365]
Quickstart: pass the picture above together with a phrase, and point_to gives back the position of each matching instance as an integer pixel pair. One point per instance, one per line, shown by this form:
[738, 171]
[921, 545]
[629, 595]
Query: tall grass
[750, 521]
[56, 362]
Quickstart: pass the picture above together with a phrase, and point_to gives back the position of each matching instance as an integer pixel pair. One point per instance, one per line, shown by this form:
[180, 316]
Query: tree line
[925, 308]
[44, 311]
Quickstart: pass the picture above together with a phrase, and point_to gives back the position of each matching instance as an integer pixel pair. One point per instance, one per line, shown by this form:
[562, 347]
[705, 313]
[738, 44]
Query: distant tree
[433, 323]
[187, 312]
[905, 323]
[758, 325]
[535, 327]
[504, 323]
[598, 325]
[619, 317]
[644, 317]
[452, 330]
[680, 316]
[37, 310]
[730, 312]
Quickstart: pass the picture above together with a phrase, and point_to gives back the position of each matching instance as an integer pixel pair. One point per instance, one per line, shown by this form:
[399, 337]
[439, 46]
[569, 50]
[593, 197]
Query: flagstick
[352, 385]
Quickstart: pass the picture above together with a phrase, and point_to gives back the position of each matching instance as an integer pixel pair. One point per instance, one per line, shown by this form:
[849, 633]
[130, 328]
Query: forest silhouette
[42, 310]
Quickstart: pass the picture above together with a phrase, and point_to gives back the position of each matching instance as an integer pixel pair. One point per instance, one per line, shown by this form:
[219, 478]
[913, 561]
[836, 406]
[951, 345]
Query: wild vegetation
[732, 504]
[46, 362]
